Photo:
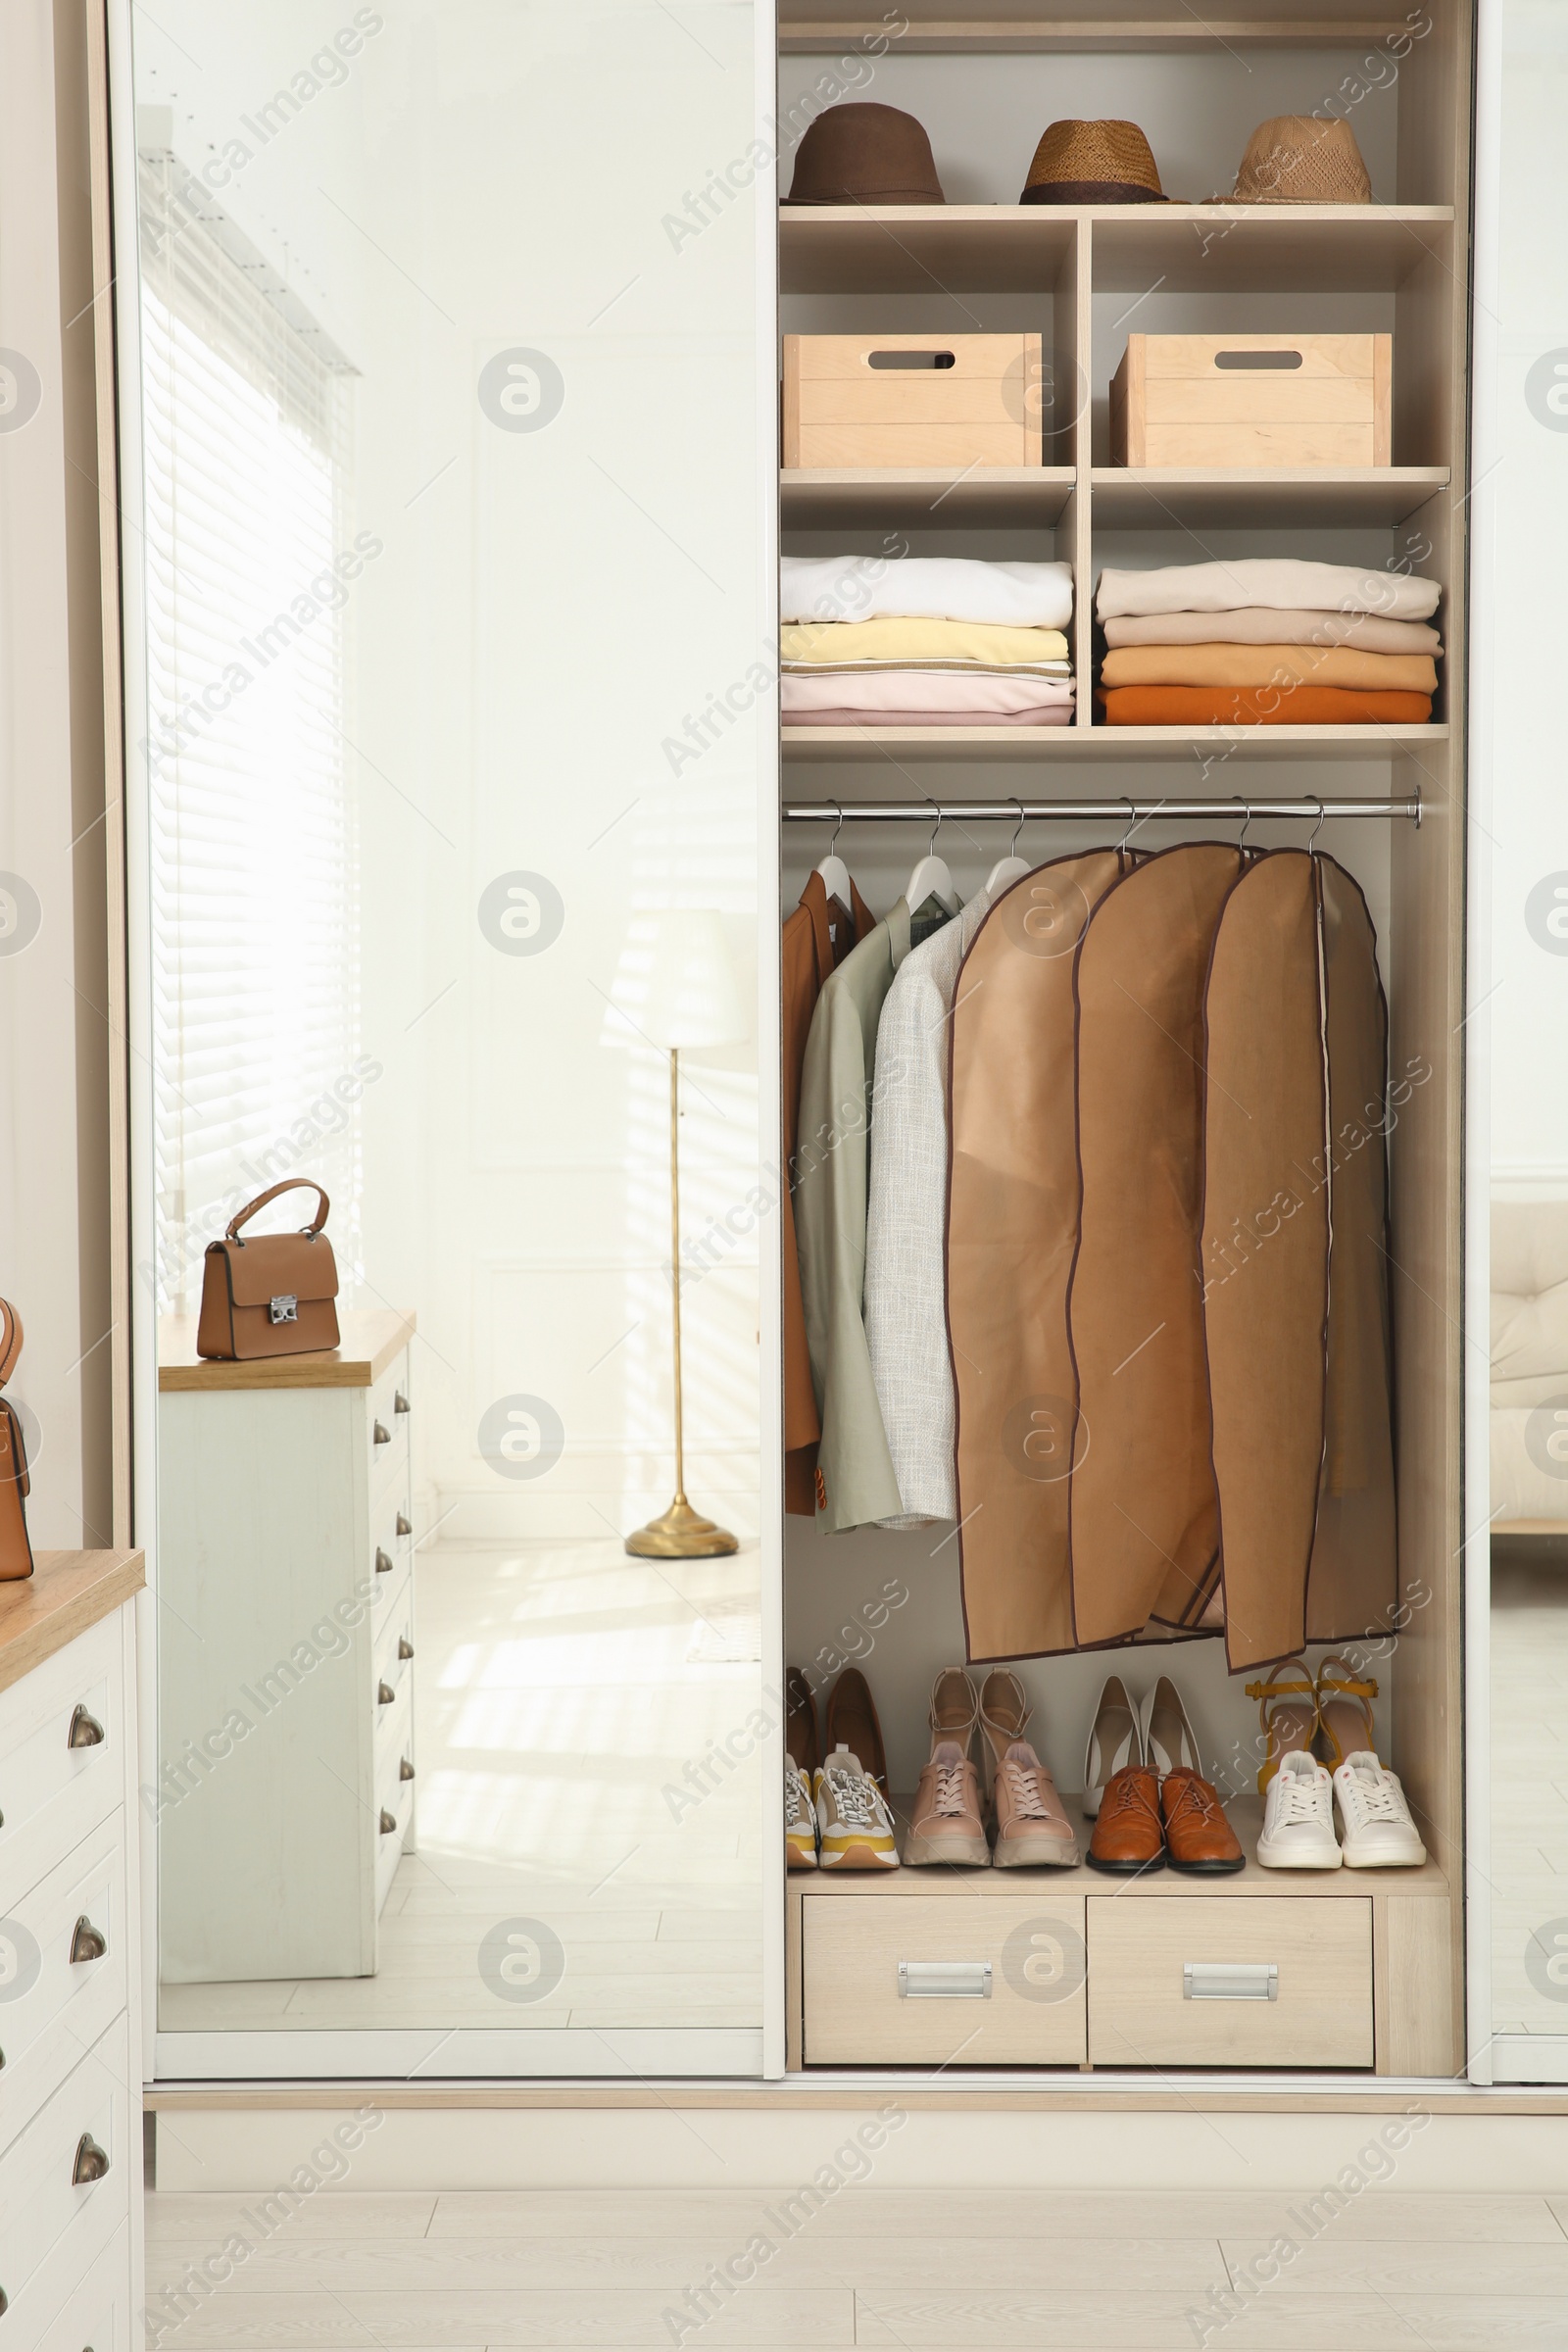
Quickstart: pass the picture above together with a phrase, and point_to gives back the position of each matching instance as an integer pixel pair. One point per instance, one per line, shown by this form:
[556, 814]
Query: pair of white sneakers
[1378, 1832]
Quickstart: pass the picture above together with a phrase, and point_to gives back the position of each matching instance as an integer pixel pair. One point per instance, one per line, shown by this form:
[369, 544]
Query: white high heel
[1116, 1739]
[1170, 1744]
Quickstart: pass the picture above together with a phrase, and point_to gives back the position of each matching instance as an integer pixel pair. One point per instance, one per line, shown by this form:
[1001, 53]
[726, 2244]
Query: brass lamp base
[681, 1533]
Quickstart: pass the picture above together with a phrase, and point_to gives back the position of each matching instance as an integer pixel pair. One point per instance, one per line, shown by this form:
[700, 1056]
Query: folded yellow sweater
[1250, 667]
[903, 643]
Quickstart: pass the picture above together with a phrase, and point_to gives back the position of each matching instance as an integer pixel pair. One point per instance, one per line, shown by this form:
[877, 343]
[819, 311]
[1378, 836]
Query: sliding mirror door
[448, 473]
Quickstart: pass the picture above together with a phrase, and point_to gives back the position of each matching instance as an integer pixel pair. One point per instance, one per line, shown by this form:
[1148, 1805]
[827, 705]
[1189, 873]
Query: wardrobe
[1354, 1971]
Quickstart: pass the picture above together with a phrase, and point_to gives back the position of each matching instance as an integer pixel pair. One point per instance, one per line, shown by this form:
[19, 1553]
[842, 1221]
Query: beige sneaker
[853, 1827]
[1032, 1828]
[945, 1825]
[799, 1819]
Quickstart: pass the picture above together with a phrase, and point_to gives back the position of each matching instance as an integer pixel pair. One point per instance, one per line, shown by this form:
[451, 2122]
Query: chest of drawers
[285, 1782]
[70, 1996]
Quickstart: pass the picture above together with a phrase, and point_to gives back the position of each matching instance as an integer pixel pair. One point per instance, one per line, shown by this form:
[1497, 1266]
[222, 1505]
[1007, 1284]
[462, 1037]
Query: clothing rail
[1107, 812]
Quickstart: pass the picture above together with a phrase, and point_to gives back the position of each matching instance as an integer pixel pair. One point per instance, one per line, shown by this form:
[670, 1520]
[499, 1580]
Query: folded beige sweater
[1260, 624]
[1255, 665]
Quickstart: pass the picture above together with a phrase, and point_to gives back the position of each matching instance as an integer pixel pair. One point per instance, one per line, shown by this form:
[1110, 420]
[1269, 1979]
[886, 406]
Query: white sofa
[1529, 1360]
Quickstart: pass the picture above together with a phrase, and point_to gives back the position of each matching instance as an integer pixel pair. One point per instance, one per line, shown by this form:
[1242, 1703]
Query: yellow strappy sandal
[1288, 1712]
[1344, 1711]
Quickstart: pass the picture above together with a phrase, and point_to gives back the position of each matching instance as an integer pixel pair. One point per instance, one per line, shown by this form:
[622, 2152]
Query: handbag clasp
[284, 1309]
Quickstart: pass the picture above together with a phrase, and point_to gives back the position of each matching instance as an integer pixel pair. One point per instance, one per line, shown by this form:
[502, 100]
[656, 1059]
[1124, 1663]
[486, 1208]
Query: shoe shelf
[1336, 1970]
[1189, 248]
[1002, 746]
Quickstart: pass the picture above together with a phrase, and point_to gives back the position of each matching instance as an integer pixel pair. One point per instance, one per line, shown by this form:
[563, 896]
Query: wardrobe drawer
[392, 1660]
[53, 2226]
[943, 1979]
[386, 1433]
[1229, 1981]
[57, 1992]
[394, 1803]
[391, 1553]
[51, 1792]
[96, 2316]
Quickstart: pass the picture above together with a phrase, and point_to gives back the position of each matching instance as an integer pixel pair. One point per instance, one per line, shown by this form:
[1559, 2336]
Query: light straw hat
[1302, 159]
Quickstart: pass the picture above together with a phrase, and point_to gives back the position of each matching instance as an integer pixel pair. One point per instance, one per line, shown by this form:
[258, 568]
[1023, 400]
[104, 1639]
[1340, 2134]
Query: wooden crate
[953, 401]
[1252, 400]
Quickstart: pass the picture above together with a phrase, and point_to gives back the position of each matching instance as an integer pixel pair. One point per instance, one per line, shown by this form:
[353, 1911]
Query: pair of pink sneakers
[951, 1806]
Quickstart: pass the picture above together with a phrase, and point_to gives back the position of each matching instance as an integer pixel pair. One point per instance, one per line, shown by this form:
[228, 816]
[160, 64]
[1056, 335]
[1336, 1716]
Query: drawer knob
[405, 1525]
[88, 1942]
[388, 1822]
[400, 1404]
[92, 2161]
[943, 1979]
[381, 1435]
[404, 1773]
[404, 1647]
[385, 1695]
[383, 1562]
[85, 1730]
[1229, 1981]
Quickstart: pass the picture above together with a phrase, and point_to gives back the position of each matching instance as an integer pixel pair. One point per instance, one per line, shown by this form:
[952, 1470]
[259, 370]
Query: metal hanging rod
[1108, 811]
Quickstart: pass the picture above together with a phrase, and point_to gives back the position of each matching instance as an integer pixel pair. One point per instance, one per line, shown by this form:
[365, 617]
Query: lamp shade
[675, 986]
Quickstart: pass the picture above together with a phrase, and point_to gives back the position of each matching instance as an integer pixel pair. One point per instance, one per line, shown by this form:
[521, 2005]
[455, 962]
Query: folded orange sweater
[1261, 707]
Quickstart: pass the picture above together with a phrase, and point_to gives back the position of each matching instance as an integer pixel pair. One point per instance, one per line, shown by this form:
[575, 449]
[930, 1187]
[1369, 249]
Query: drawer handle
[383, 1562]
[1229, 1981]
[405, 1525]
[911, 359]
[385, 1695]
[1258, 359]
[400, 1404]
[404, 1647]
[404, 1770]
[88, 1942]
[943, 1979]
[85, 1730]
[380, 1434]
[92, 2161]
[389, 1822]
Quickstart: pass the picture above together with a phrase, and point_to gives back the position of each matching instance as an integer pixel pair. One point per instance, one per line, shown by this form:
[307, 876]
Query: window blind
[255, 899]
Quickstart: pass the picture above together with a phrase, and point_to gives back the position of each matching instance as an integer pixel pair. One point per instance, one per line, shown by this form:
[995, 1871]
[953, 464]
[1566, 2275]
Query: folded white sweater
[1281, 581]
[1020, 596]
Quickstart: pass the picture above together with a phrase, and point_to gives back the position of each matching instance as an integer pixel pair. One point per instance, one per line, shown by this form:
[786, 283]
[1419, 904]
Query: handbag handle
[289, 1184]
[11, 1342]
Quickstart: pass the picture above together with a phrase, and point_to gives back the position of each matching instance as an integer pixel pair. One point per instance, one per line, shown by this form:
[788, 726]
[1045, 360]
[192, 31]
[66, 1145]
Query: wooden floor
[959, 2269]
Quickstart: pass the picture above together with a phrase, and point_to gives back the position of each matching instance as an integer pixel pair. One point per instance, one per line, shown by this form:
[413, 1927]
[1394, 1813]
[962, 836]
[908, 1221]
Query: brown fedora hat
[1093, 163]
[864, 154]
[1302, 159]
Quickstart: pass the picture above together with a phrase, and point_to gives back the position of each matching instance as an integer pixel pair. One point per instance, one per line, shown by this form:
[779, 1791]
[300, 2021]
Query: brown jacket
[817, 936]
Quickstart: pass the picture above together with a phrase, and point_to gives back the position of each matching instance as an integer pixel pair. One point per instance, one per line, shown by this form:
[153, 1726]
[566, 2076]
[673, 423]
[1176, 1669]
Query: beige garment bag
[1353, 1583]
[1296, 1262]
[1143, 1518]
[1012, 1224]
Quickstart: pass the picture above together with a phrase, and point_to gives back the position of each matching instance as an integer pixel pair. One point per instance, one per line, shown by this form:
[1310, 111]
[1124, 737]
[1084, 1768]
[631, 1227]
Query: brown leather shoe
[1129, 1836]
[1197, 1837]
[851, 1723]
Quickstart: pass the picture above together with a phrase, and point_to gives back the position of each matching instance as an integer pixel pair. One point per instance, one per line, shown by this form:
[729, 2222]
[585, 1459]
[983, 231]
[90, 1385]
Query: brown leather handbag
[16, 1553]
[274, 1295]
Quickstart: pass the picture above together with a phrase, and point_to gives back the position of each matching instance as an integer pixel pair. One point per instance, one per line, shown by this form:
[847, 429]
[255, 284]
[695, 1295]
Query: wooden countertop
[371, 1340]
[65, 1593]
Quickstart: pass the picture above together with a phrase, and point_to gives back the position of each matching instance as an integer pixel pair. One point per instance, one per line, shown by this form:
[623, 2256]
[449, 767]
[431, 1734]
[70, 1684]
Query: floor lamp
[679, 994]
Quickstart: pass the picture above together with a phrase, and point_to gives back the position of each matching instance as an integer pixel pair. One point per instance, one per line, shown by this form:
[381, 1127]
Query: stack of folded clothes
[923, 641]
[1267, 642]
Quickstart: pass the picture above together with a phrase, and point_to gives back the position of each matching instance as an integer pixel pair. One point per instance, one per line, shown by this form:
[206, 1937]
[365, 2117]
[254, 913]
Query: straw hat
[1302, 159]
[866, 155]
[1093, 163]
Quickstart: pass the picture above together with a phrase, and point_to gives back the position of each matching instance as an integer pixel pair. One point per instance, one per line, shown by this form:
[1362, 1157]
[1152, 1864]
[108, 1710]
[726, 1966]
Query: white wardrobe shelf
[819, 498]
[1251, 498]
[1004, 745]
[932, 249]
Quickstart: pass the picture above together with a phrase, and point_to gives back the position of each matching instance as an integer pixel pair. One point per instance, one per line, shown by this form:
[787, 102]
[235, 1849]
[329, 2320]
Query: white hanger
[833, 870]
[1012, 867]
[931, 878]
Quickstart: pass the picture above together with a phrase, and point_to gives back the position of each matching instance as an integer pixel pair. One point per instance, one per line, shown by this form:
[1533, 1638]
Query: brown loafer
[1129, 1836]
[1197, 1837]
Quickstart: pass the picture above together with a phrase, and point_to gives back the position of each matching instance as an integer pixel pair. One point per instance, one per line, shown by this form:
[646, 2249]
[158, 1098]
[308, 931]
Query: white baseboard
[250, 2152]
